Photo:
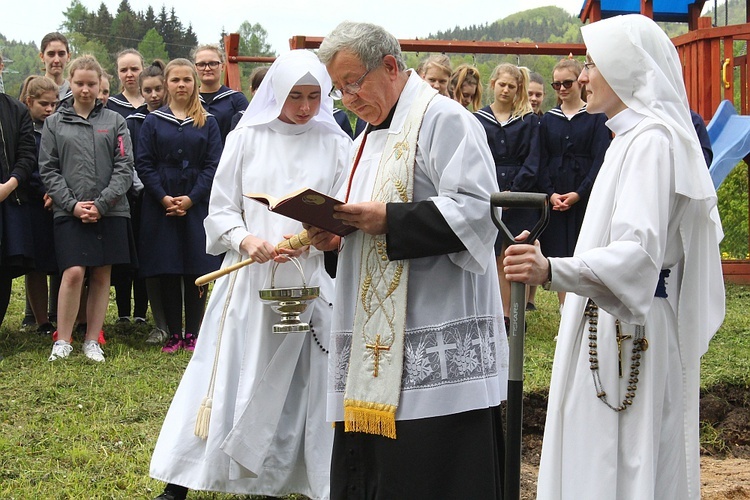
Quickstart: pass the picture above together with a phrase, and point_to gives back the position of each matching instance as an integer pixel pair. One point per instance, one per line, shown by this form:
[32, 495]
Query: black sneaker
[530, 306]
[45, 329]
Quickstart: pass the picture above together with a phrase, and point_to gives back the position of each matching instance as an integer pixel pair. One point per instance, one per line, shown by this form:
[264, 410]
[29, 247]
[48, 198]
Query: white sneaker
[92, 351]
[157, 336]
[60, 349]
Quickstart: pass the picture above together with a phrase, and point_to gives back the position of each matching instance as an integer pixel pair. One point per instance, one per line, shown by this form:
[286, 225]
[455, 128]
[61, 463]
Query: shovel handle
[508, 199]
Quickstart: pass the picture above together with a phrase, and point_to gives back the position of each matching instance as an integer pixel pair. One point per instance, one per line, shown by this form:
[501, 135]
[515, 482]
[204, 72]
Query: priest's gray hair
[369, 42]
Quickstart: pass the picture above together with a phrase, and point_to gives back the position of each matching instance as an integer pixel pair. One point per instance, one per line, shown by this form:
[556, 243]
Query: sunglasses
[565, 83]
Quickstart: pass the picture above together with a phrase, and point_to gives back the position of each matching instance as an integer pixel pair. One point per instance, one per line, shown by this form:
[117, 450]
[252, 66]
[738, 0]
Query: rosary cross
[377, 347]
[620, 337]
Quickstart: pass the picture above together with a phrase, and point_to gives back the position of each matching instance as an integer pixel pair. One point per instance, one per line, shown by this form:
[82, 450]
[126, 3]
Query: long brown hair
[194, 108]
[466, 73]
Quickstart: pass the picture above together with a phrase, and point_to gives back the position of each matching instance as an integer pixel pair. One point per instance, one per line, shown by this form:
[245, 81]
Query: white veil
[284, 73]
[642, 66]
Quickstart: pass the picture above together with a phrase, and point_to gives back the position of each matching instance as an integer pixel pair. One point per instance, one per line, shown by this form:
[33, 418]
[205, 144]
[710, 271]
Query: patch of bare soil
[725, 460]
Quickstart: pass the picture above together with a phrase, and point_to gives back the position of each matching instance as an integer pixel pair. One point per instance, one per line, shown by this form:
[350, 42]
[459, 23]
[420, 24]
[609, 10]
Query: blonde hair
[35, 85]
[521, 104]
[125, 52]
[439, 61]
[466, 73]
[208, 46]
[85, 62]
[575, 67]
[194, 108]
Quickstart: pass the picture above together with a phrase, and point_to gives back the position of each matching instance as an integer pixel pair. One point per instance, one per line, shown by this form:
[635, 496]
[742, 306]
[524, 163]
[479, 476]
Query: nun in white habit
[267, 432]
[626, 426]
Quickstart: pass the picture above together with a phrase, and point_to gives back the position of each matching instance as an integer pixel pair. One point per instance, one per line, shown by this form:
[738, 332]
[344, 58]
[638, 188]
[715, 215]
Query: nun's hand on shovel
[525, 263]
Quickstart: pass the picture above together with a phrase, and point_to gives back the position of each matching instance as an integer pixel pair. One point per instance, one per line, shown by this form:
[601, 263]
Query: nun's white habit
[268, 432]
[652, 207]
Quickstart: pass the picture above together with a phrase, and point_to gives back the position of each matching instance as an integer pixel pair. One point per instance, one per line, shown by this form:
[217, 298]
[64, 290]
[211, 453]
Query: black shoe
[81, 329]
[530, 306]
[173, 492]
[45, 329]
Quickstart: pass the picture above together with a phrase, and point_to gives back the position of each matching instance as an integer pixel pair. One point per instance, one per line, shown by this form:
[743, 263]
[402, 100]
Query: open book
[307, 206]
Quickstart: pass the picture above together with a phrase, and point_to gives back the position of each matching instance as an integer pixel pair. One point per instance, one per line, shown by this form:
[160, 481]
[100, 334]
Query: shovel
[514, 413]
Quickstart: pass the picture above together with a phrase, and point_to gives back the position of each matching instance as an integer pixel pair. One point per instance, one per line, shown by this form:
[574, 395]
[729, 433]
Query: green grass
[76, 429]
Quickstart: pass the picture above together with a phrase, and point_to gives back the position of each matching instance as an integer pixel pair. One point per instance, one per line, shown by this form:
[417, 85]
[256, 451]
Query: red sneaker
[189, 342]
[174, 344]
[101, 337]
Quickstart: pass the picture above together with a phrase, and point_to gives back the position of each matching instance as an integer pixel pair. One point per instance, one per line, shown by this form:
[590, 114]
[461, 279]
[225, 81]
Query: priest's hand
[526, 264]
[258, 249]
[322, 240]
[369, 216]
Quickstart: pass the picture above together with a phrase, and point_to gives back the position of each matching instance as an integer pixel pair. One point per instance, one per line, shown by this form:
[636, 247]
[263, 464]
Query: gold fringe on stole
[203, 418]
[370, 418]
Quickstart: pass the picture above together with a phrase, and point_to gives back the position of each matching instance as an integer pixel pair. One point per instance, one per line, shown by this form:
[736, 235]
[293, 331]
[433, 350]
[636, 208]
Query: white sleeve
[622, 275]
[453, 152]
[225, 225]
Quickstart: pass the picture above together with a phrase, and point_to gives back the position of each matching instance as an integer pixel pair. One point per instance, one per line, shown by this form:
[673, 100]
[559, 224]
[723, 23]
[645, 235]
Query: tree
[76, 18]
[80, 45]
[100, 25]
[149, 19]
[253, 42]
[152, 46]
[126, 28]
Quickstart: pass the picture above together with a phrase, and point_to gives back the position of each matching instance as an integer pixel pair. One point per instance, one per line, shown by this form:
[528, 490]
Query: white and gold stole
[373, 384]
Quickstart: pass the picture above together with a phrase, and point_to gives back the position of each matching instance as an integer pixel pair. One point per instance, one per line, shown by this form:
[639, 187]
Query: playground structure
[716, 79]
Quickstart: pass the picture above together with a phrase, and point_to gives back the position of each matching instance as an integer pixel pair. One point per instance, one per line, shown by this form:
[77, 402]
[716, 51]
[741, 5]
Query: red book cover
[307, 206]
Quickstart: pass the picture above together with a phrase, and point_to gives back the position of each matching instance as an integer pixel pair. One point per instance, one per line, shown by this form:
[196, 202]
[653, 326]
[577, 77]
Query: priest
[418, 352]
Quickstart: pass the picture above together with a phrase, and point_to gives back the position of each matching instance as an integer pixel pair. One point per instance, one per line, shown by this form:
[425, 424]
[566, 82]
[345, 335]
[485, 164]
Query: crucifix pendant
[620, 337]
[376, 348]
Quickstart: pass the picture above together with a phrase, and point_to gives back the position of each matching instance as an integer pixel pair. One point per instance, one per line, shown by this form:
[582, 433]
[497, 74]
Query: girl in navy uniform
[151, 83]
[512, 132]
[86, 164]
[40, 95]
[129, 64]
[179, 146]
[217, 99]
[571, 149]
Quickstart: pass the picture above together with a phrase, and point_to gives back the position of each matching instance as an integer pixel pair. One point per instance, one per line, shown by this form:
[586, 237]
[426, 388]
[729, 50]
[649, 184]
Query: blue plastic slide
[730, 140]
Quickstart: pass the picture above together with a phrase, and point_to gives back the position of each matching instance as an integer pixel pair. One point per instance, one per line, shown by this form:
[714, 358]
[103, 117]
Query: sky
[403, 18]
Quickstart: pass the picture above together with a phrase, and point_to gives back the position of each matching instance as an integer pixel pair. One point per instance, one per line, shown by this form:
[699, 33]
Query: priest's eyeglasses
[565, 83]
[588, 65]
[349, 88]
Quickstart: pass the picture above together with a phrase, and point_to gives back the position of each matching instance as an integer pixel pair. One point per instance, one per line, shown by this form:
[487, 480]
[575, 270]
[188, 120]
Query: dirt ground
[725, 458]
